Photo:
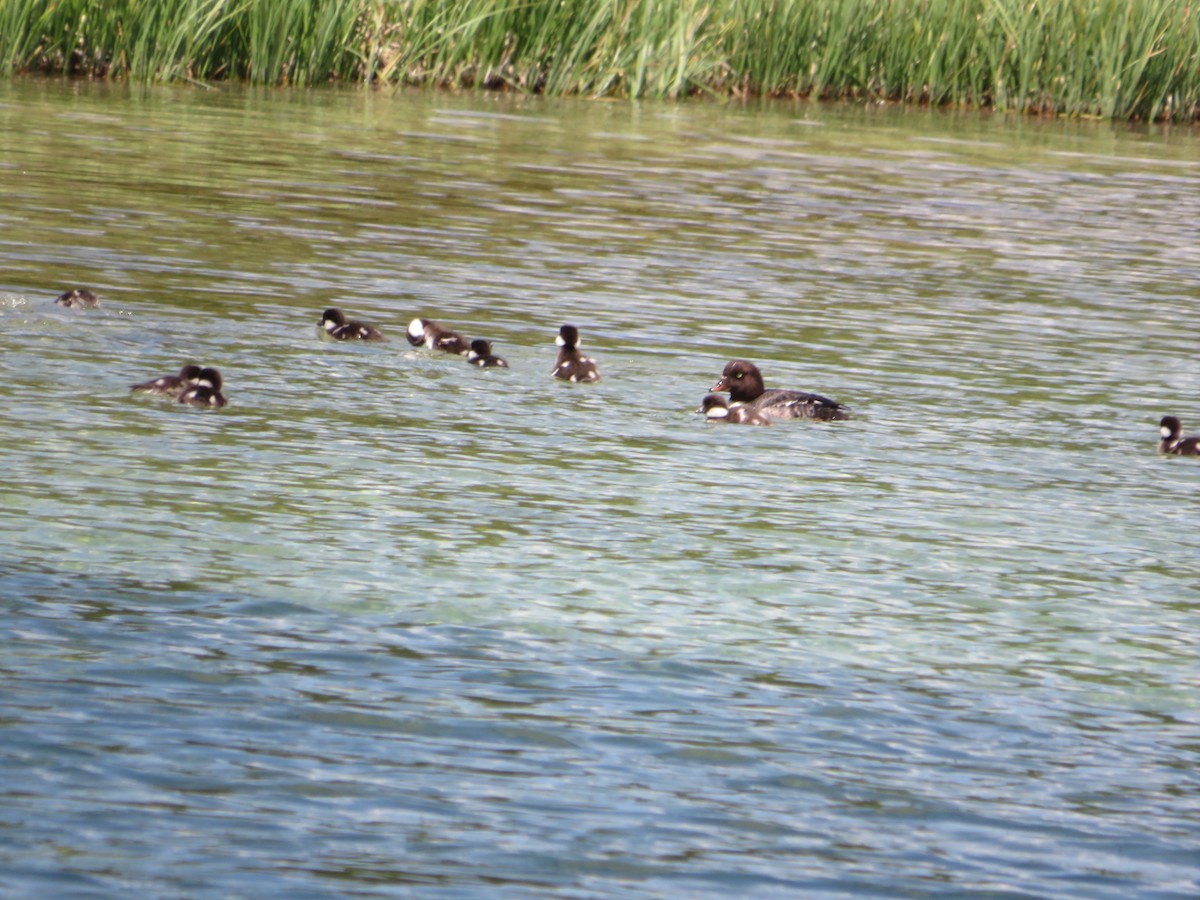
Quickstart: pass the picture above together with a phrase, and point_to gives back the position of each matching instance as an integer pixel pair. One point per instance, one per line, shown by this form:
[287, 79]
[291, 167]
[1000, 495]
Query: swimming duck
[170, 385]
[337, 326]
[718, 409]
[1170, 429]
[436, 337]
[206, 391]
[78, 298]
[744, 383]
[571, 364]
[481, 355]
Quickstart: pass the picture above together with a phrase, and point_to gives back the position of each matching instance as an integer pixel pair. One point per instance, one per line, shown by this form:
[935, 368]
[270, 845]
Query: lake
[389, 624]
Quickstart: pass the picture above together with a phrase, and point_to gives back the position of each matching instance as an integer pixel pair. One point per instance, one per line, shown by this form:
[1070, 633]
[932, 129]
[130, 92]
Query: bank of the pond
[1087, 57]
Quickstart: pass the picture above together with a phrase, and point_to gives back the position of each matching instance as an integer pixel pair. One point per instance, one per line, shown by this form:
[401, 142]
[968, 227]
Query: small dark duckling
[744, 383]
[170, 385]
[717, 409]
[78, 298]
[335, 324]
[1170, 441]
[206, 391]
[436, 337]
[481, 355]
[571, 364]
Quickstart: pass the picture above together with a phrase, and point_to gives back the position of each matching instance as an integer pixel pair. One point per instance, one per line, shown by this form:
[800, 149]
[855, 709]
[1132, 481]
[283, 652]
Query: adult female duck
[745, 385]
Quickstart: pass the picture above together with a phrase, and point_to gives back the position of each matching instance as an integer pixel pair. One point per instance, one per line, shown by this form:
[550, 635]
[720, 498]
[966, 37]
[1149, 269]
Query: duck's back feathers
[575, 367]
[781, 404]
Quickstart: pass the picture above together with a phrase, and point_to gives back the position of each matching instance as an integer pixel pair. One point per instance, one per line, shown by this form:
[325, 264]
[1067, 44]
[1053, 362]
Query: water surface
[392, 625]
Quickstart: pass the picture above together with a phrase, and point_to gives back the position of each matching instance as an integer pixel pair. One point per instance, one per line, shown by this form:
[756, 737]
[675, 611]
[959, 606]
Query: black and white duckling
[1170, 441]
[481, 355]
[571, 364]
[744, 383]
[436, 337]
[335, 324]
[170, 385]
[206, 391]
[718, 409]
[78, 298]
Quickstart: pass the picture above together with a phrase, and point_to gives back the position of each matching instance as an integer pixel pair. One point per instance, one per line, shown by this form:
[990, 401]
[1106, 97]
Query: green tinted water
[389, 623]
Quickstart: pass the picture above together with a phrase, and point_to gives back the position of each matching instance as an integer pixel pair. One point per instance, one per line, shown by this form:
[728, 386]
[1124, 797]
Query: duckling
[78, 298]
[481, 355]
[335, 324]
[717, 409]
[436, 337]
[206, 391]
[170, 385]
[1170, 441]
[572, 364]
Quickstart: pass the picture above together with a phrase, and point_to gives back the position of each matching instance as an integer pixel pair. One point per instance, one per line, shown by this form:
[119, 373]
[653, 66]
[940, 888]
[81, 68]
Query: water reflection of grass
[1084, 57]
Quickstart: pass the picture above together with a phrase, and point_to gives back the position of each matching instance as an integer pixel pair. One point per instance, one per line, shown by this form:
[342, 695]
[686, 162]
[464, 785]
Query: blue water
[391, 625]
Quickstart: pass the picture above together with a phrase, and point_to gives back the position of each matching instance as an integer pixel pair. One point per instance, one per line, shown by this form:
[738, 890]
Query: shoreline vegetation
[1108, 58]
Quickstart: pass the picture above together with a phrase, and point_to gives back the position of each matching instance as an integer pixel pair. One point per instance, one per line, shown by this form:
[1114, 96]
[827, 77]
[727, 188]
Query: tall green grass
[1113, 58]
[263, 41]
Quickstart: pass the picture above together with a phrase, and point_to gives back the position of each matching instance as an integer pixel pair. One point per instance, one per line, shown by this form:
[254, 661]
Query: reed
[1107, 58]
[262, 41]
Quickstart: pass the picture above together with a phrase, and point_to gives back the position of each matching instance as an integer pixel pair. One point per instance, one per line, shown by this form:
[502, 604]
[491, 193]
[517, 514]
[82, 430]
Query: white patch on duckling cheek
[559, 341]
[416, 329]
[1165, 431]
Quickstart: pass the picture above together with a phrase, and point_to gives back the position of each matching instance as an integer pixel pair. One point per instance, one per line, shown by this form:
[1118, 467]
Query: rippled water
[392, 625]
